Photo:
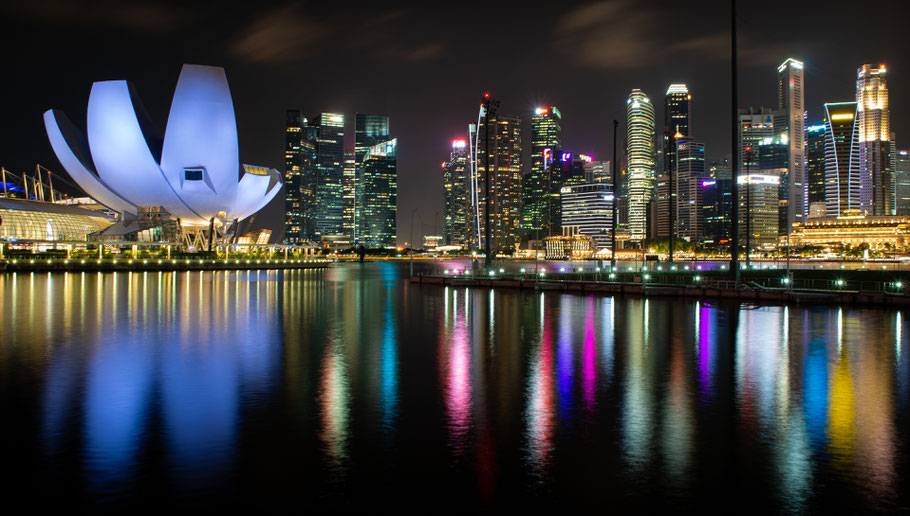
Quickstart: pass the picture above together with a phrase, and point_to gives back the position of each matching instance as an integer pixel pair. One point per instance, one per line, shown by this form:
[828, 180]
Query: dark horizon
[412, 63]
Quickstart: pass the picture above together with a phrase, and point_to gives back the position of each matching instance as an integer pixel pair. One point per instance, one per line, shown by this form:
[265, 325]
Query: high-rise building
[457, 217]
[377, 204]
[328, 210]
[875, 150]
[755, 126]
[299, 176]
[791, 121]
[815, 164]
[720, 169]
[677, 121]
[773, 160]
[505, 179]
[689, 156]
[600, 171]
[717, 199]
[759, 210]
[369, 130]
[640, 158]
[541, 188]
[349, 195]
[902, 182]
[589, 208]
[843, 185]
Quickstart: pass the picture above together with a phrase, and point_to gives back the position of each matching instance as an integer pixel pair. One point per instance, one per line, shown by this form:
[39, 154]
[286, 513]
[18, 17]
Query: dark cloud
[145, 16]
[280, 36]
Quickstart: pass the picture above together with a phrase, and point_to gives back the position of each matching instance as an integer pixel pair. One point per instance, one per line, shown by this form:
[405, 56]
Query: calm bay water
[350, 388]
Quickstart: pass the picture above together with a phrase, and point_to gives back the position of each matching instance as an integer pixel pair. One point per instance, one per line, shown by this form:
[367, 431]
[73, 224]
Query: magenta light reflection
[541, 416]
[589, 361]
[458, 395]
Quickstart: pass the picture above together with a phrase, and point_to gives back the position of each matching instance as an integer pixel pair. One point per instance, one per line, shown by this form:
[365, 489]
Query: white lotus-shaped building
[194, 172]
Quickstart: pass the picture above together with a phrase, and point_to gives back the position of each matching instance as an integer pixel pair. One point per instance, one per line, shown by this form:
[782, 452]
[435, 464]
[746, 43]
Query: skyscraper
[759, 209]
[640, 157]
[791, 121]
[677, 121]
[369, 131]
[875, 150]
[505, 178]
[377, 203]
[842, 164]
[690, 172]
[589, 208]
[540, 191]
[299, 175]
[329, 206]
[773, 160]
[755, 126]
[349, 191]
[457, 215]
[902, 182]
[815, 164]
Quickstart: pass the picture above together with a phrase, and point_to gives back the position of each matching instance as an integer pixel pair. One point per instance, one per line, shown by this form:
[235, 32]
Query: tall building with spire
[640, 160]
[875, 148]
[541, 187]
[677, 123]
[457, 215]
[791, 122]
[843, 184]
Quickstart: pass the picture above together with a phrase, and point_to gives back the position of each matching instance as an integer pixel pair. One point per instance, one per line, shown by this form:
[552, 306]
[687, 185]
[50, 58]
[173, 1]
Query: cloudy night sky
[426, 65]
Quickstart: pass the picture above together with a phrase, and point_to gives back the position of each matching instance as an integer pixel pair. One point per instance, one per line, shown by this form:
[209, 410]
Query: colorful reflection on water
[349, 386]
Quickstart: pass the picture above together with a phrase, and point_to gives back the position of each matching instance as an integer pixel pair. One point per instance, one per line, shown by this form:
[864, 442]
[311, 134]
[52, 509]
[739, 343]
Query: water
[350, 388]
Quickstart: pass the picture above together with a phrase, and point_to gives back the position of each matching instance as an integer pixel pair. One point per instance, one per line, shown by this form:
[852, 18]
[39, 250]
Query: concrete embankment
[704, 291]
[154, 264]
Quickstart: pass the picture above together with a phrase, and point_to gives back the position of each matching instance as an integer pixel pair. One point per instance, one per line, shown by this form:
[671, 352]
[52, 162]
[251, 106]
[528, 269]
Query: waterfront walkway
[825, 287]
[156, 264]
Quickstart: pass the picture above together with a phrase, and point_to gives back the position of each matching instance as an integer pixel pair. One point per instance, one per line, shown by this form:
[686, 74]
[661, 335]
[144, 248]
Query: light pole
[734, 159]
[411, 242]
[615, 199]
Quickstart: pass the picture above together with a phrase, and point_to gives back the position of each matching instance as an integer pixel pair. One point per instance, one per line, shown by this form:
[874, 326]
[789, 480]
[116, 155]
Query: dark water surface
[350, 388]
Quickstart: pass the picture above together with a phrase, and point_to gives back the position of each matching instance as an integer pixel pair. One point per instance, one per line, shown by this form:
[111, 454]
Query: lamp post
[615, 199]
[734, 161]
[411, 242]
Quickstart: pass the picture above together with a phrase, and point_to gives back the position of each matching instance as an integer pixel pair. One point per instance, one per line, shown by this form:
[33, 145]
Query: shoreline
[154, 264]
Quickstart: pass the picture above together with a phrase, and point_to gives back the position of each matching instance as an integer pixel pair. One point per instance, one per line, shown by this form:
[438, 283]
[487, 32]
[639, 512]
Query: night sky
[426, 65]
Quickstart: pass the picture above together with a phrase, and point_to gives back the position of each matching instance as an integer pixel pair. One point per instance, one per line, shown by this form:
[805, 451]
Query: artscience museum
[193, 172]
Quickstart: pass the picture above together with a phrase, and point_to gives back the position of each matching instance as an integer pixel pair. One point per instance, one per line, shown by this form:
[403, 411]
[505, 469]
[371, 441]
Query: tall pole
[411, 242]
[748, 205]
[672, 201]
[50, 184]
[615, 200]
[5, 193]
[734, 161]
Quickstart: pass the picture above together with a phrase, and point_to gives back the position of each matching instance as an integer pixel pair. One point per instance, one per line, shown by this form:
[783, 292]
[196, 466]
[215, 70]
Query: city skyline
[588, 106]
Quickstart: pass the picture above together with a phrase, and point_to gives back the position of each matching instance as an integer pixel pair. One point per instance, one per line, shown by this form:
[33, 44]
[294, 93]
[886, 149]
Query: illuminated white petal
[71, 148]
[201, 136]
[125, 152]
[257, 187]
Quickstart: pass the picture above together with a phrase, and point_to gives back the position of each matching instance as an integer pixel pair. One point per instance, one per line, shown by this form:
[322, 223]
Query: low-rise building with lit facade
[571, 245]
[879, 232]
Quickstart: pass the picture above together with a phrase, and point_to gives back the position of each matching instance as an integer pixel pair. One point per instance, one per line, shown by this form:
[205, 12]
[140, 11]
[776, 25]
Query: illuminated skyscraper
[875, 149]
[349, 191]
[815, 163]
[541, 188]
[589, 208]
[902, 182]
[677, 121]
[791, 121]
[457, 215]
[377, 203]
[640, 157]
[690, 173]
[759, 209]
[755, 126]
[329, 206]
[299, 174]
[842, 164]
[369, 130]
[505, 179]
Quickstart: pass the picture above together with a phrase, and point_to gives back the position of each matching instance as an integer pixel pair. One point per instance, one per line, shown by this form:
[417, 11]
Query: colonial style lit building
[571, 245]
[853, 229]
